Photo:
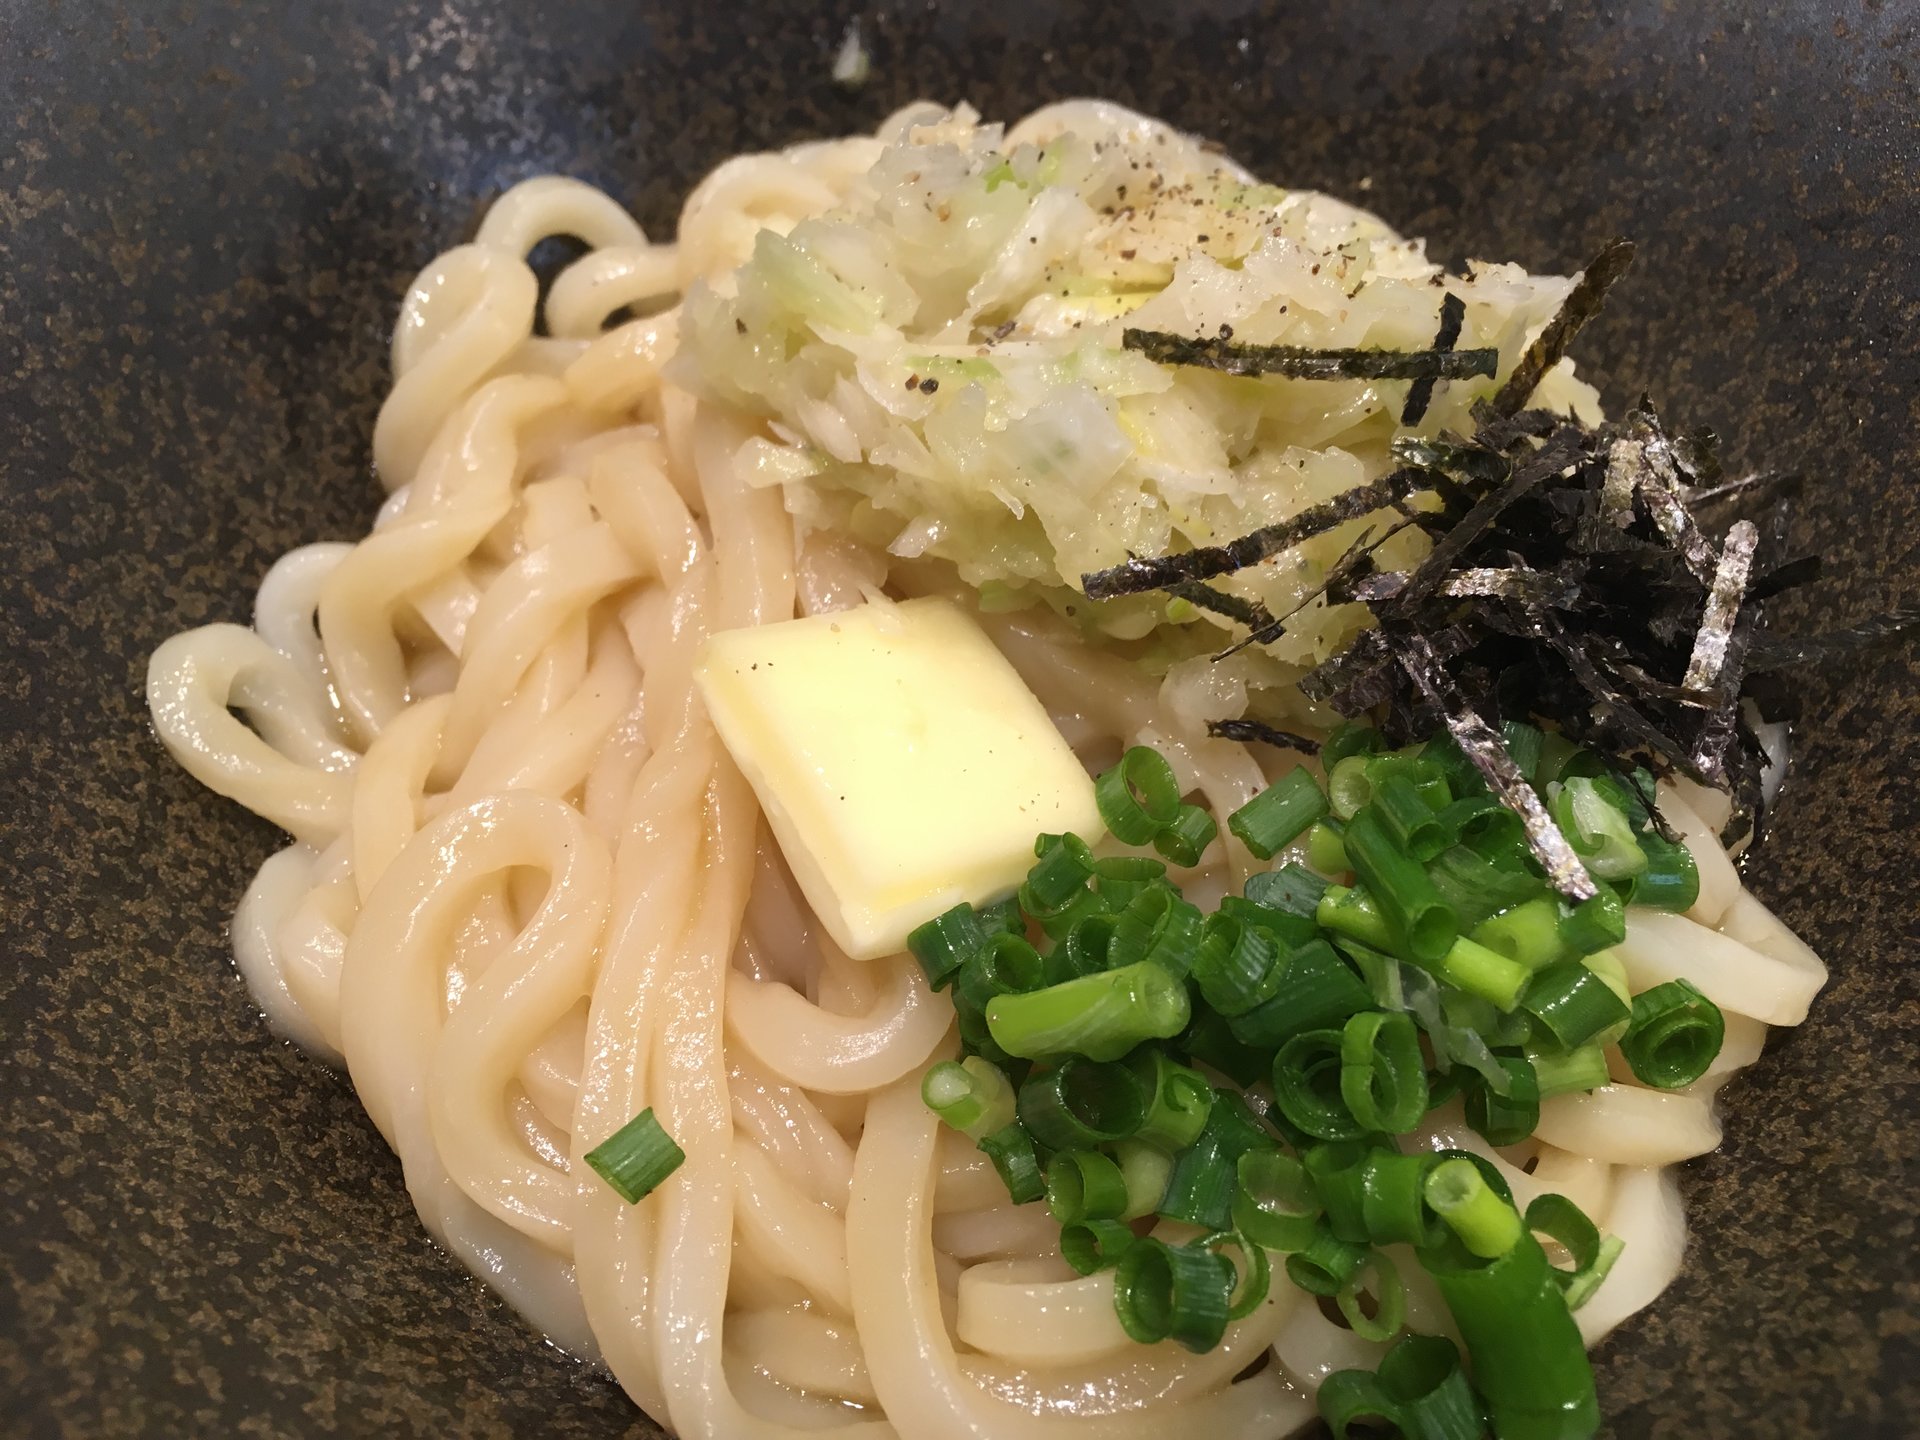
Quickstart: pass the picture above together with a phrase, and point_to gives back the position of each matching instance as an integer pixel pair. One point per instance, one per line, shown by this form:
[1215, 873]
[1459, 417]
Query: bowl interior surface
[208, 213]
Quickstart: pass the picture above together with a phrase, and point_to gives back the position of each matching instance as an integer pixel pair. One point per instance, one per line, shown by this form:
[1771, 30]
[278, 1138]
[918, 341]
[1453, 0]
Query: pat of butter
[903, 764]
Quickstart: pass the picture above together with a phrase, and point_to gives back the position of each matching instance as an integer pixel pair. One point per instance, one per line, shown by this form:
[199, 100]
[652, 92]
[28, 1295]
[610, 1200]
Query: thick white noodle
[529, 896]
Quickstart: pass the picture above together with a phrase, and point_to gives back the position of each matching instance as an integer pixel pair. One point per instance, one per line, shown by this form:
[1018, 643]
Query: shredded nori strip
[1723, 603]
[1259, 732]
[1481, 744]
[1583, 302]
[1453, 314]
[1131, 577]
[1250, 613]
[1296, 362]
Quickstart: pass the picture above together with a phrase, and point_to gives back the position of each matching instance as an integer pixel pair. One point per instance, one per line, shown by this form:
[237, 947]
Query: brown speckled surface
[207, 210]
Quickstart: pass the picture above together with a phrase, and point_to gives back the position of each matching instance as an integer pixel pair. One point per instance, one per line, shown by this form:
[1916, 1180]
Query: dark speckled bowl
[208, 209]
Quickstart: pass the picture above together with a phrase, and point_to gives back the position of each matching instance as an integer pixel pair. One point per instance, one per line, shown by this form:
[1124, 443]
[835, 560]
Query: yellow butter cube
[902, 762]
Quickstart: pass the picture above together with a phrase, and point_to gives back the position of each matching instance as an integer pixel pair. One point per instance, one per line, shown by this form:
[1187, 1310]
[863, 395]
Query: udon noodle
[528, 895]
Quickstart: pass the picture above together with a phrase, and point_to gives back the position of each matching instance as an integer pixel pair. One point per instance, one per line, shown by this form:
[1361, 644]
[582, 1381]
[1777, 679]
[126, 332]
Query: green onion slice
[1157, 925]
[636, 1157]
[1275, 1206]
[1095, 1244]
[946, 942]
[1012, 1153]
[1237, 965]
[1572, 1004]
[1274, 818]
[1179, 1104]
[1389, 1299]
[1308, 1089]
[1254, 1272]
[1187, 836]
[1420, 920]
[1383, 1077]
[1510, 1118]
[1408, 820]
[1485, 1223]
[1325, 1264]
[1082, 1104]
[1675, 1035]
[1101, 1016]
[1138, 796]
[1184, 1293]
[972, 1095]
[1084, 1185]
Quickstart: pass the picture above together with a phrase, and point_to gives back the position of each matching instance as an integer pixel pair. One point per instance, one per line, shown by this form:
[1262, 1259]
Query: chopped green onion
[1478, 885]
[1443, 753]
[1011, 1151]
[1351, 911]
[1253, 1276]
[1527, 1356]
[1505, 1119]
[1274, 818]
[636, 1157]
[1287, 929]
[1675, 1035]
[1565, 1223]
[1307, 1086]
[1058, 878]
[1557, 752]
[1317, 989]
[1484, 825]
[1180, 1101]
[1562, 1072]
[1200, 1190]
[1184, 1293]
[1327, 847]
[1486, 1224]
[1572, 1004]
[1147, 1170]
[1101, 1016]
[1001, 917]
[1187, 837]
[1138, 796]
[1350, 738]
[971, 1095]
[1524, 743]
[1237, 966]
[1082, 1104]
[1157, 925]
[1348, 788]
[1579, 1286]
[1671, 880]
[1085, 948]
[1608, 965]
[1599, 831]
[1275, 1206]
[1422, 922]
[1338, 1169]
[1479, 971]
[1006, 965]
[1420, 1389]
[1594, 924]
[1292, 888]
[1389, 1295]
[1528, 933]
[1084, 1185]
[1408, 821]
[1119, 879]
[946, 942]
[1325, 1264]
[1210, 1041]
[1347, 1398]
[1393, 1198]
[1096, 1244]
[1383, 1078]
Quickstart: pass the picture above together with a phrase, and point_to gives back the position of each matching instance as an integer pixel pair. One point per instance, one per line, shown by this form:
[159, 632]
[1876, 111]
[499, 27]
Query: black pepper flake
[913, 382]
[929, 385]
[739, 326]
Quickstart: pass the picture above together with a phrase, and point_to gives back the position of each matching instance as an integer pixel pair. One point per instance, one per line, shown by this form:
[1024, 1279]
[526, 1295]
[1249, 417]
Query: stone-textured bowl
[208, 209]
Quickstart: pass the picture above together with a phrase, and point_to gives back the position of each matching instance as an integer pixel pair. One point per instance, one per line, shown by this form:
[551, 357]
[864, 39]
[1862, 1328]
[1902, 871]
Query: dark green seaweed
[1453, 313]
[1259, 732]
[1583, 302]
[1296, 362]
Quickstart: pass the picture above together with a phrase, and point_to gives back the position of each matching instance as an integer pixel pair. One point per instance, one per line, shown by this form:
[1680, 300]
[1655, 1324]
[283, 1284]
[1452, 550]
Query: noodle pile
[528, 896]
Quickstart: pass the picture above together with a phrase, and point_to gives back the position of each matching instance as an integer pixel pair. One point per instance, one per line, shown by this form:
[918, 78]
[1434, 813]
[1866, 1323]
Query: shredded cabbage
[943, 351]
